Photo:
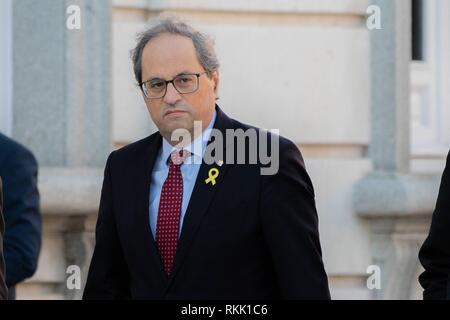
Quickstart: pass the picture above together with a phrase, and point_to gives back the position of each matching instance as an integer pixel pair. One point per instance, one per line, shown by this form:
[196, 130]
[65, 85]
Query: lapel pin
[220, 163]
[212, 175]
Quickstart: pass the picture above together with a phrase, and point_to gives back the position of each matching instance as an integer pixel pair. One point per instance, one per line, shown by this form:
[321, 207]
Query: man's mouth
[174, 112]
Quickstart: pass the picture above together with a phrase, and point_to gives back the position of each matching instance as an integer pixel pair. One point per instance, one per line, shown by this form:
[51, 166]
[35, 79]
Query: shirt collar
[197, 147]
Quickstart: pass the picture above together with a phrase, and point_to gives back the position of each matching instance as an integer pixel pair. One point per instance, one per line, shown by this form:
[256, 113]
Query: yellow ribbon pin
[212, 175]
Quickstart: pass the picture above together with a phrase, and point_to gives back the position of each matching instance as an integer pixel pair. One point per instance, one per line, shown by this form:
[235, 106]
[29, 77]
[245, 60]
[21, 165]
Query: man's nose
[172, 95]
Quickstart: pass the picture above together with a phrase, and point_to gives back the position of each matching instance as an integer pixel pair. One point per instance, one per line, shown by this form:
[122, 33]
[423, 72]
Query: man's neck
[186, 140]
[189, 136]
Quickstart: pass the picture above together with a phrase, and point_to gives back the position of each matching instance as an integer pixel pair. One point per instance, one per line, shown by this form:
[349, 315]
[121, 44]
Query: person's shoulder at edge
[13, 149]
[15, 155]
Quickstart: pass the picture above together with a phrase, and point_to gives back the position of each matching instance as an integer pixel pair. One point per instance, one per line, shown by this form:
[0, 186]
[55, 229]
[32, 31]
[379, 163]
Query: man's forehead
[167, 45]
[169, 55]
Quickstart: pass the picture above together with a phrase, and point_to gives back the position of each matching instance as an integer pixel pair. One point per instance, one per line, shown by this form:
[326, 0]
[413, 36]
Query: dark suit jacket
[3, 289]
[435, 252]
[247, 237]
[18, 169]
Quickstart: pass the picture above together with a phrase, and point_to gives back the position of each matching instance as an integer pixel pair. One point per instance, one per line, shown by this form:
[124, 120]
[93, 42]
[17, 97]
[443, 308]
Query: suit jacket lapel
[143, 175]
[201, 198]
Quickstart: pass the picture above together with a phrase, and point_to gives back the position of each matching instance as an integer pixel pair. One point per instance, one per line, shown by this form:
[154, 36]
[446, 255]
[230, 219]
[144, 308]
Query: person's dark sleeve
[3, 288]
[22, 241]
[435, 252]
[290, 225]
[108, 274]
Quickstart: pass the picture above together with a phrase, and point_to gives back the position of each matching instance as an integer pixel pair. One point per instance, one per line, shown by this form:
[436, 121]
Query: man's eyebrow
[178, 74]
[185, 72]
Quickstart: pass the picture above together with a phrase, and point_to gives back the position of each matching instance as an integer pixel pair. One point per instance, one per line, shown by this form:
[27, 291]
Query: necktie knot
[178, 157]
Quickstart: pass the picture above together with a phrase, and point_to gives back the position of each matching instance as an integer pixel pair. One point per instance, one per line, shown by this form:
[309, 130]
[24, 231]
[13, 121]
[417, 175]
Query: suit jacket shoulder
[11, 149]
[132, 152]
[288, 153]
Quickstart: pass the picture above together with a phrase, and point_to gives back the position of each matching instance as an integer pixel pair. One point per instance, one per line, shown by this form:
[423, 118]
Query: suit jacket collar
[142, 176]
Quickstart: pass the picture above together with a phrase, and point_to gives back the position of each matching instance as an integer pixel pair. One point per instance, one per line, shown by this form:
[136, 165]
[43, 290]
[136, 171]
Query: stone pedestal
[398, 209]
[70, 200]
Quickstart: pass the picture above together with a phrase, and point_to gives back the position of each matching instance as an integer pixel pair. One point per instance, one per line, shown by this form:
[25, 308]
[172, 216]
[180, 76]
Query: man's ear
[216, 80]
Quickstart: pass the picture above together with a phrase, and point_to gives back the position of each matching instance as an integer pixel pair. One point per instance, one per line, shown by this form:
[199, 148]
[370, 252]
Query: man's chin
[179, 131]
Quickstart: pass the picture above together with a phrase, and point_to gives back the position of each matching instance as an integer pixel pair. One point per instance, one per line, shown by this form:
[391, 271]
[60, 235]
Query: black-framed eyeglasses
[184, 83]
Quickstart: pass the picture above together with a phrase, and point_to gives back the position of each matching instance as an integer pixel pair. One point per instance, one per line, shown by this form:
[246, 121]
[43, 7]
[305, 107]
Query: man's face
[165, 57]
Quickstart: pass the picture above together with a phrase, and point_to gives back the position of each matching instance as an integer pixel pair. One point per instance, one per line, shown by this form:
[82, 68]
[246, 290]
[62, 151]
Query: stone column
[62, 112]
[61, 100]
[396, 203]
[390, 78]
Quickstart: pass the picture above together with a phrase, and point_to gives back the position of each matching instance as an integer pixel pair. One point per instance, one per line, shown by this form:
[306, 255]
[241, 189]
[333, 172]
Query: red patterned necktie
[169, 210]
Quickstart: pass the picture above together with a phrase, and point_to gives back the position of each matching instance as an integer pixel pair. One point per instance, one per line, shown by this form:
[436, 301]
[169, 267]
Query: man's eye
[185, 79]
[156, 85]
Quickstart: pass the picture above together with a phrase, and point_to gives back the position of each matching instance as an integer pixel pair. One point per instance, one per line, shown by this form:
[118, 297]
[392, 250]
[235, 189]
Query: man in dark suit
[22, 242]
[171, 227]
[3, 288]
[435, 252]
